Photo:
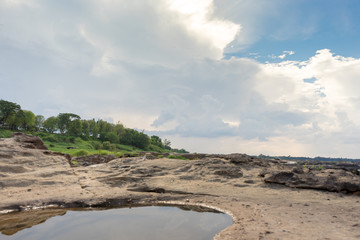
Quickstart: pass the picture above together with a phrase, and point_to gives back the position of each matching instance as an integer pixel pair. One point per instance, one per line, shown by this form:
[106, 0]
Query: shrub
[50, 138]
[78, 140]
[96, 145]
[320, 167]
[5, 133]
[101, 152]
[108, 146]
[133, 154]
[119, 155]
[80, 153]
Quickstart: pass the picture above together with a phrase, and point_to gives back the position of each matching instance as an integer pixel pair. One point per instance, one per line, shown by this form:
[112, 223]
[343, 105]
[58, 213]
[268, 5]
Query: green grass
[177, 157]
[84, 148]
[76, 146]
[5, 133]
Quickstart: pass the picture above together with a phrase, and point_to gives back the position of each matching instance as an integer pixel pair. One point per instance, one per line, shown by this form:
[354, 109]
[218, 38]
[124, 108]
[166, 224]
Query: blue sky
[304, 27]
[252, 76]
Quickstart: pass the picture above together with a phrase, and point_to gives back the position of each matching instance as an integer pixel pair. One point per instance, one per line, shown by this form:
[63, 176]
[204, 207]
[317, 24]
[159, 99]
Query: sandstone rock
[333, 180]
[33, 178]
[28, 141]
[93, 159]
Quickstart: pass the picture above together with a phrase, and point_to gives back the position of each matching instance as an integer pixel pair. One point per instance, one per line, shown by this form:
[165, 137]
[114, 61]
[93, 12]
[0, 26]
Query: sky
[214, 76]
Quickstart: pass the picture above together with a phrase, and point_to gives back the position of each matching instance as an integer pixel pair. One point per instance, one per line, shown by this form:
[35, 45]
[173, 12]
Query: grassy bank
[76, 146]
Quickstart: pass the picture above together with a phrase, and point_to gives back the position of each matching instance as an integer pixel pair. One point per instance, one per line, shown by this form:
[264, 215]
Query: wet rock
[12, 223]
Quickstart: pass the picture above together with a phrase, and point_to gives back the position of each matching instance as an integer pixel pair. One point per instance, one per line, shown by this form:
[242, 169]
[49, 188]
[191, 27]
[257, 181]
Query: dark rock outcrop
[333, 180]
[93, 159]
[28, 141]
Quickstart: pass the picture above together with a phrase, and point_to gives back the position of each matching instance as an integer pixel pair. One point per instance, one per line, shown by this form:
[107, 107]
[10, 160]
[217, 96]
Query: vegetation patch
[80, 153]
[177, 157]
[68, 133]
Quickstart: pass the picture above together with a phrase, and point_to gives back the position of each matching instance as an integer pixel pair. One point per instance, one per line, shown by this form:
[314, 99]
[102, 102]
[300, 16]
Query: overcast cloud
[160, 66]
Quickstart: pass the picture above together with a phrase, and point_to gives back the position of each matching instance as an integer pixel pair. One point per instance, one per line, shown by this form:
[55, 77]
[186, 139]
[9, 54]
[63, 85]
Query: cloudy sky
[274, 77]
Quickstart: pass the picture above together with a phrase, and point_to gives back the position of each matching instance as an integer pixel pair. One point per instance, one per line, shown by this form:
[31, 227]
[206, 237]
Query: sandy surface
[32, 178]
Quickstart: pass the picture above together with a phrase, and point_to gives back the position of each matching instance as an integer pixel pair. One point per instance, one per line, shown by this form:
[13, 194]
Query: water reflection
[126, 223]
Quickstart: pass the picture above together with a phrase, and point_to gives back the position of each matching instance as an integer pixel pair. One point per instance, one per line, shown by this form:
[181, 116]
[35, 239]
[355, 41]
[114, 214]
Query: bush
[50, 138]
[108, 146]
[119, 155]
[5, 133]
[101, 152]
[78, 140]
[96, 145]
[80, 153]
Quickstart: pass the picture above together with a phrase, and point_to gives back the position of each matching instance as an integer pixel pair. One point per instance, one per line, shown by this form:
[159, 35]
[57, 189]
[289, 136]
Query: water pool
[150, 223]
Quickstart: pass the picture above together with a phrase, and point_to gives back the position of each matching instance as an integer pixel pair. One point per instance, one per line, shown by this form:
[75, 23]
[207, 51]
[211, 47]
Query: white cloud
[197, 18]
[159, 68]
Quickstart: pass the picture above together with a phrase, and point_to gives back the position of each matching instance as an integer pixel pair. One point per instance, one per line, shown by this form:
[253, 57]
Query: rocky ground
[267, 199]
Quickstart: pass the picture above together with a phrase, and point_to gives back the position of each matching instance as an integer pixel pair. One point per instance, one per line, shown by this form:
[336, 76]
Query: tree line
[14, 118]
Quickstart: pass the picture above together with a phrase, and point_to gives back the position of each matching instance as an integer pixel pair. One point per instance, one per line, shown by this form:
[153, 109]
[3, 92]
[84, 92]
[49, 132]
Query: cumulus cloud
[160, 68]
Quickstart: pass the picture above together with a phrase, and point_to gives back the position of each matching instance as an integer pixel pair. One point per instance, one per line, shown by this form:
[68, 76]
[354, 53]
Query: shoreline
[266, 199]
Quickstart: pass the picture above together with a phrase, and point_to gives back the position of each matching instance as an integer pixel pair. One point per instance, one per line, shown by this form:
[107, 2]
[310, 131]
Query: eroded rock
[29, 141]
[334, 180]
[34, 178]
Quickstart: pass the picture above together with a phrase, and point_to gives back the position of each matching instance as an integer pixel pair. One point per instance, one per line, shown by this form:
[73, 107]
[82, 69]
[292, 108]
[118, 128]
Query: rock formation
[266, 198]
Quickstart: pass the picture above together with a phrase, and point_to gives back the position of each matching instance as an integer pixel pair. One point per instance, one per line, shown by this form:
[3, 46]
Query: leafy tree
[112, 137]
[119, 129]
[51, 124]
[39, 121]
[135, 138]
[104, 129]
[93, 128]
[167, 144]
[28, 121]
[155, 140]
[65, 120]
[15, 121]
[85, 128]
[75, 127]
[21, 120]
[7, 109]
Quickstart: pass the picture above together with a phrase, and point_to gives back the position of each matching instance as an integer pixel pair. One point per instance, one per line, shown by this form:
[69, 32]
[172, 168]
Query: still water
[150, 223]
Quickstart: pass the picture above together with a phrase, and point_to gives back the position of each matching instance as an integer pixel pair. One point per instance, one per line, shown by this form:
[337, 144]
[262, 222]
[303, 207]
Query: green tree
[111, 137]
[104, 128]
[65, 120]
[16, 120]
[167, 144]
[135, 138]
[93, 129]
[119, 129]
[155, 140]
[85, 128]
[7, 109]
[39, 121]
[51, 124]
[28, 121]
[75, 127]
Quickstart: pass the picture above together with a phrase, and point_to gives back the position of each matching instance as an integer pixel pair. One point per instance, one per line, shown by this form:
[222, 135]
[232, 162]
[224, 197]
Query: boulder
[28, 141]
